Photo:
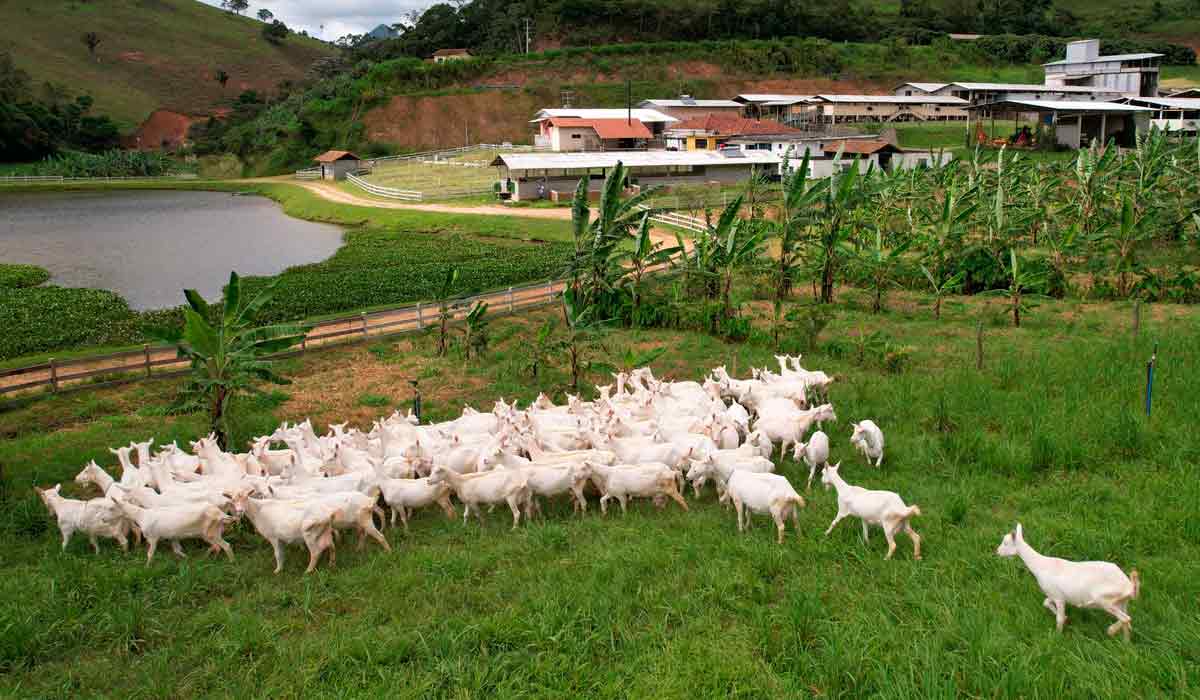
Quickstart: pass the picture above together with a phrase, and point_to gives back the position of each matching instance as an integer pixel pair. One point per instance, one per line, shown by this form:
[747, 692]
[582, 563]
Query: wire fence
[160, 361]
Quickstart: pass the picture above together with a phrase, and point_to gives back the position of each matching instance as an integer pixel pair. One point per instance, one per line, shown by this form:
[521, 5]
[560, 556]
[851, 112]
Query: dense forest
[37, 121]
[499, 26]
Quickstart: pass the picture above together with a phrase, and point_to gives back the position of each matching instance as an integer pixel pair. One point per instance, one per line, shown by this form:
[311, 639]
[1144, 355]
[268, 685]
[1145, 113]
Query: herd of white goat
[642, 438]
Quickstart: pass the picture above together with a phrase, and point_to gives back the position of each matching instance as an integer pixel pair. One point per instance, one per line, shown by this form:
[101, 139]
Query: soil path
[333, 194]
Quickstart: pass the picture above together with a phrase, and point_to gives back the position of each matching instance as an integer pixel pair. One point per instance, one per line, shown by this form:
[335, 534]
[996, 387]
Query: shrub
[20, 276]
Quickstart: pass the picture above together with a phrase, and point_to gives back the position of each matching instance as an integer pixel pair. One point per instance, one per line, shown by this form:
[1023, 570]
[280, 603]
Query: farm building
[335, 165]
[840, 109]
[575, 134]
[1186, 94]
[828, 157]
[983, 93]
[443, 55]
[1075, 124]
[525, 176]
[918, 89]
[1132, 75]
[563, 129]
[798, 143]
[1171, 113]
[687, 107]
[710, 132]
[781, 108]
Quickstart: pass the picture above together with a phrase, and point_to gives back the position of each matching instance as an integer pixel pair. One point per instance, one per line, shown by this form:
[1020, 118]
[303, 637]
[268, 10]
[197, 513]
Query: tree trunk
[218, 417]
[1016, 310]
[937, 308]
[827, 282]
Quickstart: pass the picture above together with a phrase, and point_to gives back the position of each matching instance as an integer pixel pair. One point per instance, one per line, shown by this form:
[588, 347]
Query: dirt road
[333, 194]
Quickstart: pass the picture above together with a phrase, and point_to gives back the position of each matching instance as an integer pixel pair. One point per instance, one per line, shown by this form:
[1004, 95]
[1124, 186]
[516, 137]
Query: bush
[21, 276]
[55, 318]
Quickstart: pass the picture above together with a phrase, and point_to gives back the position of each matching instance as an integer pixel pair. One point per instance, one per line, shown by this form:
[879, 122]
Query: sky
[340, 17]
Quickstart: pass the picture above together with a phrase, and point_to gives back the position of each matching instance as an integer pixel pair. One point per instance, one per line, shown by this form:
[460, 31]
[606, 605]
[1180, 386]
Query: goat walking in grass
[882, 508]
[1083, 584]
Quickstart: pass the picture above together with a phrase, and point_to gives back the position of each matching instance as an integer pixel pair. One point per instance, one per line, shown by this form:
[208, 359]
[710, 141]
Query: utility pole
[528, 40]
[628, 102]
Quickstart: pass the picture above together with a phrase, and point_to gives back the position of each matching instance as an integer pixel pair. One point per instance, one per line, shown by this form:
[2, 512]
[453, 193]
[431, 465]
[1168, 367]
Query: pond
[148, 246]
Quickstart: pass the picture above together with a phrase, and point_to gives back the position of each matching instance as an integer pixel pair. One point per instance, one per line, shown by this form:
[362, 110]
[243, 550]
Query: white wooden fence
[309, 174]
[380, 191]
[21, 179]
[683, 221]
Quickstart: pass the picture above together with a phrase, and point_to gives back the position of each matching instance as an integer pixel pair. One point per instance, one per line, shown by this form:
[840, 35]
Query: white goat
[815, 453]
[653, 480]
[97, 517]
[790, 427]
[183, 521]
[509, 486]
[882, 508]
[285, 522]
[764, 493]
[401, 495]
[868, 439]
[1083, 584]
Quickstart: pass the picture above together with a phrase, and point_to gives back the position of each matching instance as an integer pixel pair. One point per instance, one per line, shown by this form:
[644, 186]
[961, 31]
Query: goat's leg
[178, 549]
[604, 504]
[1050, 606]
[891, 540]
[1060, 614]
[220, 542]
[66, 535]
[122, 540]
[466, 512]
[780, 519]
[916, 540]
[95, 544]
[879, 461]
[151, 545]
[866, 533]
[367, 528]
[447, 506]
[812, 471]
[514, 504]
[737, 505]
[678, 498]
[1124, 622]
[836, 519]
[393, 509]
[404, 517]
[622, 498]
[278, 547]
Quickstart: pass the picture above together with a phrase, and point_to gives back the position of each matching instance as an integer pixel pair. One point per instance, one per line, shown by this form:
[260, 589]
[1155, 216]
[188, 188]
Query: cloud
[338, 17]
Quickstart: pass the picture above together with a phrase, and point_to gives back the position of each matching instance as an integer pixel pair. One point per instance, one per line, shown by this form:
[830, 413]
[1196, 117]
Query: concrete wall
[527, 188]
[338, 169]
[573, 138]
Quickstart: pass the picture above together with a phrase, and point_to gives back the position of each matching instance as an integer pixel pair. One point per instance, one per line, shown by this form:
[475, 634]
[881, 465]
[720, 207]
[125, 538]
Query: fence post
[550, 290]
[510, 300]
[364, 324]
[979, 344]
[1137, 316]
[53, 376]
[1150, 378]
[420, 318]
[146, 354]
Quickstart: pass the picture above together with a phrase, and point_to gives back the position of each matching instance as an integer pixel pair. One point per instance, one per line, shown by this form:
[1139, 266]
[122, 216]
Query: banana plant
[1039, 190]
[840, 199]
[1123, 239]
[798, 211]
[584, 330]
[742, 244]
[475, 331]
[703, 263]
[879, 263]
[445, 310]
[1020, 284]
[228, 352]
[942, 289]
[643, 256]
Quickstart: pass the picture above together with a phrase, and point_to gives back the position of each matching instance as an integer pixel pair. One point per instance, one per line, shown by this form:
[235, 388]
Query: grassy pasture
[667, 604]
[470, 171]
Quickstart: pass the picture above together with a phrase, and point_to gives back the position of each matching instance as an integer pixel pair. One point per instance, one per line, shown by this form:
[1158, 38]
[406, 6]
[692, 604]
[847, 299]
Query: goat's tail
[913, 510]
[1136, 578]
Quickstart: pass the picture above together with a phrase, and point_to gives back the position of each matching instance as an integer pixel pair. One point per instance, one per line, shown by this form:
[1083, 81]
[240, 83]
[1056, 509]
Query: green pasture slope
[667, 604]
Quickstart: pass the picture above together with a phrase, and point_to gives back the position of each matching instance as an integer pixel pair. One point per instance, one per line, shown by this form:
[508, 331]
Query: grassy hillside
[153, 53]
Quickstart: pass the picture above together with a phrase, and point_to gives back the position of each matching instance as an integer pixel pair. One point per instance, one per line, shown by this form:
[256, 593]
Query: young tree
[941, 289]
[227, 350]
[275, 32]
[879, 263]
[266, 15]
[91, 40]
[445, 310]
[841, 199]
[1124, 238]
[796, 215]
[584, 329]
[221, 77]
[1019, 285]
[475, 332]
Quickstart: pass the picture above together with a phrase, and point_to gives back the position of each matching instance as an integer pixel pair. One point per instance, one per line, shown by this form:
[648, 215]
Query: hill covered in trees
[500, 26]
[136, 56]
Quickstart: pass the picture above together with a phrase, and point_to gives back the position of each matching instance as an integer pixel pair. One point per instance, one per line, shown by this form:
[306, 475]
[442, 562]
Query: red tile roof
[331, 156]
[728, 125]
[859, 146]
[606, 128]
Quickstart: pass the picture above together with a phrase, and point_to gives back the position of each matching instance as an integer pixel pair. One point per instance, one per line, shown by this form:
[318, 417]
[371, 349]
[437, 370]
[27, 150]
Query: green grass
[433, 178]
[152, 55]
[672, 604]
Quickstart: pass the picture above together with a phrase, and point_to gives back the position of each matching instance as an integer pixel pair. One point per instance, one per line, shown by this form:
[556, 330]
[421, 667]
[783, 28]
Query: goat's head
[698, 468]
[1008, 545]
[829, 474]
[438, 474]
[89, 475]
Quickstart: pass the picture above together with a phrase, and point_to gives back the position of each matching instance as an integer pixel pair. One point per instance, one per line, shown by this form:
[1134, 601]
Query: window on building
[908, 93]
[576, 136]
[701, 143]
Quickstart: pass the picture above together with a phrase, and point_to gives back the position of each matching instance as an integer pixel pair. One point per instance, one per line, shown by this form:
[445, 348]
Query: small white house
[335, 165]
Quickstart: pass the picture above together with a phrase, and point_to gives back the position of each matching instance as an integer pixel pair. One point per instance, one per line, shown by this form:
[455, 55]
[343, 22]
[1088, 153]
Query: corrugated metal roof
[1031, 87]
[692, 103]
[1065, 106]
[731, 126]
[633, 159]
[926, 87]
[771, 97]
[1168, 102]
[642, 115]
[1106, 59]
[331, 156]
[893, 99]
[859, 147]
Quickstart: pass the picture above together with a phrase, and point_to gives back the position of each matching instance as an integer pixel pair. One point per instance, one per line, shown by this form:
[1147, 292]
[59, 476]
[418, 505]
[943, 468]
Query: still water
[149, 246]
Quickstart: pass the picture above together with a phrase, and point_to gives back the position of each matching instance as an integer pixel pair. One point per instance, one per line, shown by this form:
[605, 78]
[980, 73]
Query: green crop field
[664, 604]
